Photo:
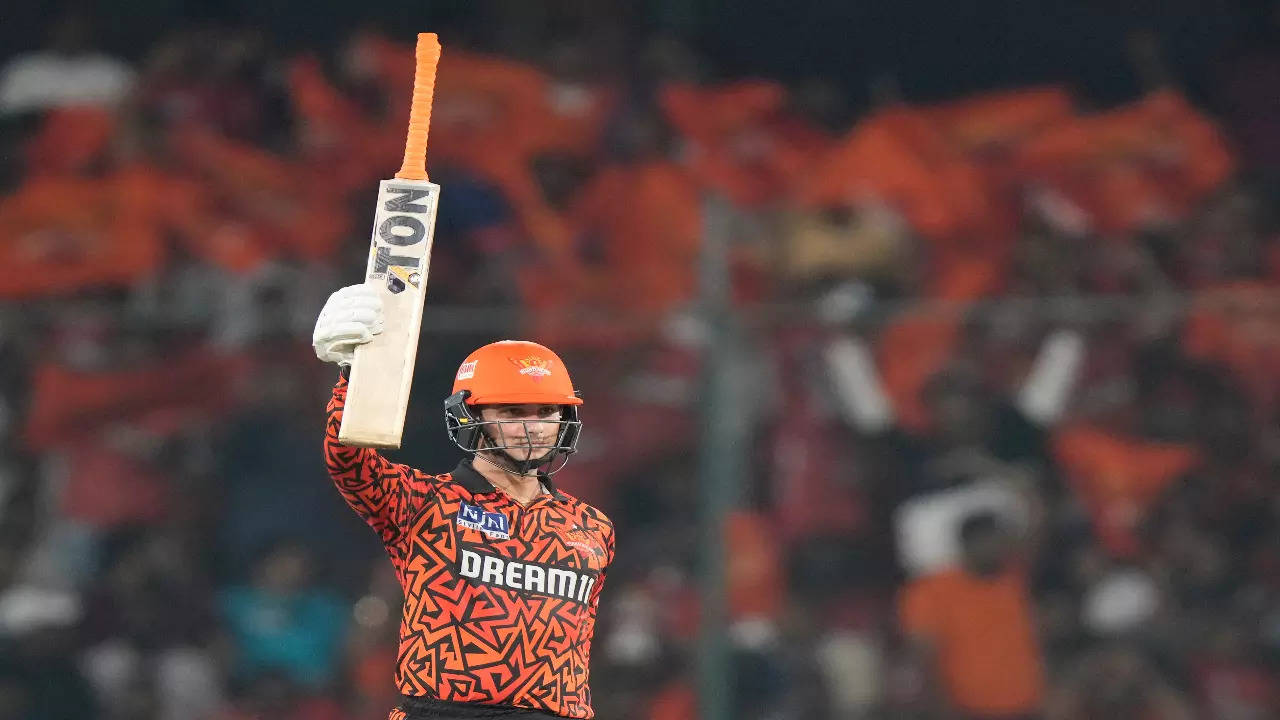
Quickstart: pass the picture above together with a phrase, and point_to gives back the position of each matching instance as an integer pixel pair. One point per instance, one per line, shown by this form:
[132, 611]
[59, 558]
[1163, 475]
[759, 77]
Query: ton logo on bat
[401, 230]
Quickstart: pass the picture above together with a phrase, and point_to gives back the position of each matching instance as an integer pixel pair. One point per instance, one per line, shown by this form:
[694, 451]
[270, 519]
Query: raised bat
[399, 256]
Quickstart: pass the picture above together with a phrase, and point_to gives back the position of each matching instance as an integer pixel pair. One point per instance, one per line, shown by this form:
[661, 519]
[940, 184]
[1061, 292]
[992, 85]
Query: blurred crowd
[1007, 375]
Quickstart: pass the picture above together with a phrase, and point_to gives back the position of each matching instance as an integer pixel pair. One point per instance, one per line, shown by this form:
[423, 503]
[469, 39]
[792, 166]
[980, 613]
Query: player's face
[528, 431]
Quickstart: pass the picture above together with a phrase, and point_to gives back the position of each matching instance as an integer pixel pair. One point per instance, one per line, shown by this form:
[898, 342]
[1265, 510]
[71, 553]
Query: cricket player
[501, 571]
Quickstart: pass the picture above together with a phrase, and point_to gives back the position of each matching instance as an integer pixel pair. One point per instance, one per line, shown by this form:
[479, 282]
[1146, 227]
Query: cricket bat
[404, 222]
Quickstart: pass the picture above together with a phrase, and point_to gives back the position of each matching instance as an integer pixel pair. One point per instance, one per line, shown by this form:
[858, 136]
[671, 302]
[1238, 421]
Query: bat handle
[427, 55]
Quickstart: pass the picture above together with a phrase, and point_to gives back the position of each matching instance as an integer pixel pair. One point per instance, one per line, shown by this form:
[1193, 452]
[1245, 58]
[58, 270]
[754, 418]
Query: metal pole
[718, 470]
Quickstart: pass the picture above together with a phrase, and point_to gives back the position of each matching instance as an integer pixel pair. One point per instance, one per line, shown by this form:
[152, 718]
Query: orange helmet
[513, 372]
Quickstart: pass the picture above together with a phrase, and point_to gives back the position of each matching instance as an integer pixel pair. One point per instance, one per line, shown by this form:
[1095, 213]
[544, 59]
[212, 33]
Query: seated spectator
[284, 623]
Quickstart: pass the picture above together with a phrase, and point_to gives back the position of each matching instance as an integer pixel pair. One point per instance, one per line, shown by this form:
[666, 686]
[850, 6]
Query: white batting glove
[350, 317]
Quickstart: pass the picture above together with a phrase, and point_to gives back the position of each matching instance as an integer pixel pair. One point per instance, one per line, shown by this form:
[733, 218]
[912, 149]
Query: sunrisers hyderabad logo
[534, 367]
[580, 538]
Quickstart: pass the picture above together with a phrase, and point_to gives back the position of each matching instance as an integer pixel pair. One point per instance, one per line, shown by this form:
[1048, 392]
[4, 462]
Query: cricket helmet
[512, 372]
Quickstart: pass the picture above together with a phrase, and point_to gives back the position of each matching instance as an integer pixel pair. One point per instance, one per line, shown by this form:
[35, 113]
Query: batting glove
[350, 317]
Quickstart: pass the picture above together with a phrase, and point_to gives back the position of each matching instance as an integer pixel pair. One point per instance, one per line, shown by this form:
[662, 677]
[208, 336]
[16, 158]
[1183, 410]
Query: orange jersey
[500, 599]
[985, 636]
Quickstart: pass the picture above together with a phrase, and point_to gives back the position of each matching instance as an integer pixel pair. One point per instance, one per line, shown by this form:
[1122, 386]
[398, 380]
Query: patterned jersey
[500, 599]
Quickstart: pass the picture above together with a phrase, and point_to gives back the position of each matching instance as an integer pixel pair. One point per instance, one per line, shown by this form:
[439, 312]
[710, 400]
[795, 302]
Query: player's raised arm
[380, 491]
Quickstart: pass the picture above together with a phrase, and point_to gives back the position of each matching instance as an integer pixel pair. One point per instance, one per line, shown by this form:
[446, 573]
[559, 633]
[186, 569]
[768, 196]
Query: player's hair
[980, 523]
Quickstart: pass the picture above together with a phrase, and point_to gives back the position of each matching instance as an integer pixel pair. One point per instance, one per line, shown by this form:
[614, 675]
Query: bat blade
[399, 258]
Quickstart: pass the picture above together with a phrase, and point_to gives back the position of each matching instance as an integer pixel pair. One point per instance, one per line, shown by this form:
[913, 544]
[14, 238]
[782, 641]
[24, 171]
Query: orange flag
[743, 141]
[1118, 479]
[63, 234]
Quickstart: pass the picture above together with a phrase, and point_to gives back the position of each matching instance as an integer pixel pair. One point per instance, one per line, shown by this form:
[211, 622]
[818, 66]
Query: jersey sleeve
[385, 494]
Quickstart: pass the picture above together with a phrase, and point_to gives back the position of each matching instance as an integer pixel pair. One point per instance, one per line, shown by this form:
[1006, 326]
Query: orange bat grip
[424, 88]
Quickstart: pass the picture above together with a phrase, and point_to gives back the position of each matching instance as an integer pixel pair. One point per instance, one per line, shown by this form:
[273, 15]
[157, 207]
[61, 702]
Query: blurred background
[930, 351]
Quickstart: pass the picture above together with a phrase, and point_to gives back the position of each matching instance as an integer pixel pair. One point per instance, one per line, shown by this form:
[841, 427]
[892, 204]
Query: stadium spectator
[68, 73]
[973, 631]
[282, 622]
[148, 631]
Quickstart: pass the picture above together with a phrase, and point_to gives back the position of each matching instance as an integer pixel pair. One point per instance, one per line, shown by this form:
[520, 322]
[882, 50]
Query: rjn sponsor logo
[493, 524]
[525, 576]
